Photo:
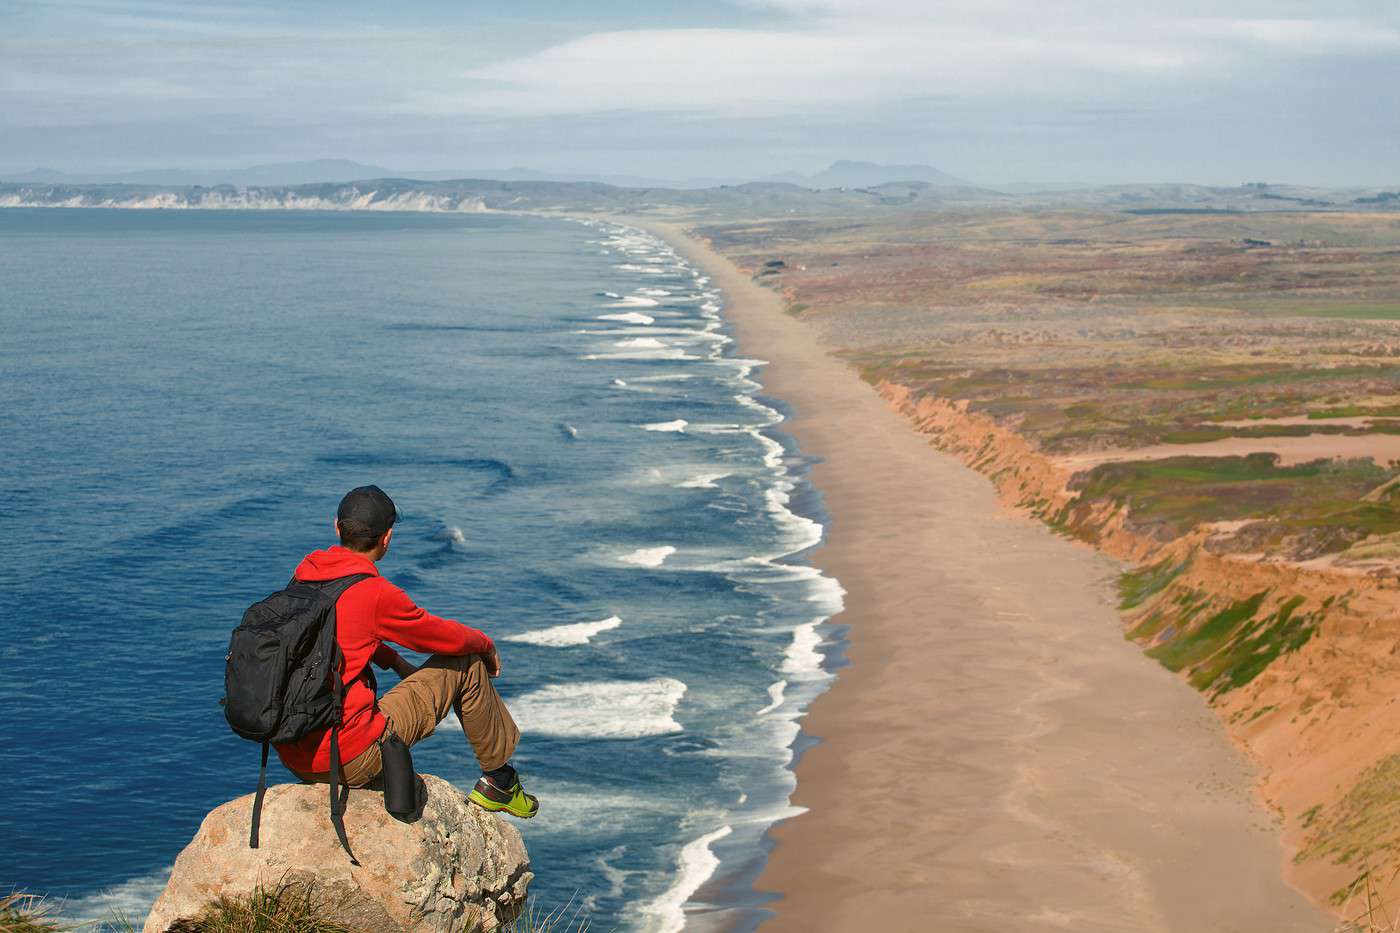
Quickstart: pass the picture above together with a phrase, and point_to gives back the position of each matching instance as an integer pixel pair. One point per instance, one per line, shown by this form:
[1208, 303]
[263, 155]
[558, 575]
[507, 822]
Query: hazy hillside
[753, 199]
[848, 174]
[842, 174]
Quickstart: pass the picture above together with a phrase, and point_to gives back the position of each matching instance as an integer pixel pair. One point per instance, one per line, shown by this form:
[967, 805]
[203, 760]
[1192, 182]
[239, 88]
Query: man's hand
[402, 667]
[493, 662]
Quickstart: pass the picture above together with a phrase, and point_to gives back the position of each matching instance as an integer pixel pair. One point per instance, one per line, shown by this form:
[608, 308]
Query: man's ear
[335, 523]
[384, 541]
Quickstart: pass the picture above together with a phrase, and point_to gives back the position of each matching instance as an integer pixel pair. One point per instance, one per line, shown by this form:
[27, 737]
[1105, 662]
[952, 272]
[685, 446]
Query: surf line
[729, 843]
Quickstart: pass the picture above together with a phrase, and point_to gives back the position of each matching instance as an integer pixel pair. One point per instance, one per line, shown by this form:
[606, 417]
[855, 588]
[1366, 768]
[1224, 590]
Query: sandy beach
[996, 756]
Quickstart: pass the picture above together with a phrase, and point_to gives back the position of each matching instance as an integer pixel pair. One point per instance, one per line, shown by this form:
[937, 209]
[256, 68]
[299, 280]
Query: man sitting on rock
[457, 678]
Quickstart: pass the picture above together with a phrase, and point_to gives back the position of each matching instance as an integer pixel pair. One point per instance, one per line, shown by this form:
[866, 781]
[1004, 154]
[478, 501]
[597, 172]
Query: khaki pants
[415, 706]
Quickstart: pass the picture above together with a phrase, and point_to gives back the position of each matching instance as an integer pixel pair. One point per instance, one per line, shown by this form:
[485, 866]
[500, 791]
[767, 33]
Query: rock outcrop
[452, 867]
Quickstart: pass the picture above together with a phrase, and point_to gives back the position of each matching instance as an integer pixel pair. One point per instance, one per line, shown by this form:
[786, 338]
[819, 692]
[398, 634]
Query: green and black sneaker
[513, 801]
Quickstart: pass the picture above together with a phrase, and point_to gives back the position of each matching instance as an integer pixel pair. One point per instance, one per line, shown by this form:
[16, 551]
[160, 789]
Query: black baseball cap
[367, 511]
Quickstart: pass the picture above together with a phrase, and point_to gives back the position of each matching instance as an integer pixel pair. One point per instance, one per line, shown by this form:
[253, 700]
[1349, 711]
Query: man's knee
[470, 668]
[456, 662]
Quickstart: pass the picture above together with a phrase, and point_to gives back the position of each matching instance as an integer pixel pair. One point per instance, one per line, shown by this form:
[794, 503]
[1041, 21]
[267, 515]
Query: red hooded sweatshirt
[368, 614]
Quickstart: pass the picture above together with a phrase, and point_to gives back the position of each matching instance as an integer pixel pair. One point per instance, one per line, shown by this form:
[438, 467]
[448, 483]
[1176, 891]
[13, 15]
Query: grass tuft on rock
[25, 913]
[287, 907]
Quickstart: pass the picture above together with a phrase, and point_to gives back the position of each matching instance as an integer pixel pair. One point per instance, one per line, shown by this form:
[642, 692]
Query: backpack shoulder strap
[339, 790]
[258, 799]
[335, 588]
[332, 588]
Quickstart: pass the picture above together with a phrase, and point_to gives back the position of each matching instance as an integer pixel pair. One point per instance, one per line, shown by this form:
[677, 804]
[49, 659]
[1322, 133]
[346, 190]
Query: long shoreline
[996, 756]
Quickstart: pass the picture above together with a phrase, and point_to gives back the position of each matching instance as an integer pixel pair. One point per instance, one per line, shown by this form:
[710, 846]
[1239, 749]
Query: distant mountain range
[281, 173]
[842, 174]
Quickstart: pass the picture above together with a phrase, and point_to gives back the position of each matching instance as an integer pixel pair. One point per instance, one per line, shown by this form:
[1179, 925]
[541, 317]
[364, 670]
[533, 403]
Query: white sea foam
[629, 317]
[654, 292]
[663, 353]
[648, 556]
[802, 659]
[452, 535]
[677, 426]
[772, 451]
[639, 343]
[775, 696]
[771, 415]
[695, 865]
[614, 876]
[690, 335]
[826, 593]
[620, 383]
[566, 636]
[642, 269]
[665, 377]
[801, 532]
[574, 807]
[131, 899]
[613, 709]
[634, 301]
[702, 481]
[683, 334]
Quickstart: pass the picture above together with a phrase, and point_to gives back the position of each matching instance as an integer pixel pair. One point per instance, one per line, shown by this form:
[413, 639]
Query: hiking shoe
[514, 801]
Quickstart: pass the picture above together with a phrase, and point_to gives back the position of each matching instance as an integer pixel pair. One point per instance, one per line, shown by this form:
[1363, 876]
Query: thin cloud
[1311, 36]
[838, 57]
[1235, 88]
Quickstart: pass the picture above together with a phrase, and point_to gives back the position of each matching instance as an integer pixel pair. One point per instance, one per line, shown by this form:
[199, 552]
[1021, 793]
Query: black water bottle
[400, 781]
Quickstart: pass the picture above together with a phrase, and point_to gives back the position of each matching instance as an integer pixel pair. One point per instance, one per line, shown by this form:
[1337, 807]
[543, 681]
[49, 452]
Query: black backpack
[284, 679]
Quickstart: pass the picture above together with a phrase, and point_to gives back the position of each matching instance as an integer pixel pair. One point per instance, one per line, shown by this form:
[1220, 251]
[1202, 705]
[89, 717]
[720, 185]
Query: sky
[993, 91]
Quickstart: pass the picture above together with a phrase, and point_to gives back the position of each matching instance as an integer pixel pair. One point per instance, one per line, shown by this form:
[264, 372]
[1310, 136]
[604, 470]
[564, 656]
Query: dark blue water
[585, 473]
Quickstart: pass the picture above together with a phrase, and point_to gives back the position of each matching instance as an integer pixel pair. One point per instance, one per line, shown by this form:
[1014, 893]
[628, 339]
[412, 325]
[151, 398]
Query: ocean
[587, 469]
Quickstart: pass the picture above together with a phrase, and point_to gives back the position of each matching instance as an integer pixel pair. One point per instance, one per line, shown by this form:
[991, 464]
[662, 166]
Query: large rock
[452, 866]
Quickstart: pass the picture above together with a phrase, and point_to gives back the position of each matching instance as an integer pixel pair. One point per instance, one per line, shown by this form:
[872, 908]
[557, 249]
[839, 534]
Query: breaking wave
[616, 709]
[648, 556]
[566, 636]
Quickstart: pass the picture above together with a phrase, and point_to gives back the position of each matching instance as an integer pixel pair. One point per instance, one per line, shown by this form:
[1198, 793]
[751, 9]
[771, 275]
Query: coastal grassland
[1083, 402]
[1118, 336]
[1308, 509]
[1271, 264]
[1214, 398]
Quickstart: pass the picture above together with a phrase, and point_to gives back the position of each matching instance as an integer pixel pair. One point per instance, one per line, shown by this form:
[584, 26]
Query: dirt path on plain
[996, 757]
[1382, 448]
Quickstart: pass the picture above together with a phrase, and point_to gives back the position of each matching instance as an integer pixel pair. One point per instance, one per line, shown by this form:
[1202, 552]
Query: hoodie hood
[333, 562]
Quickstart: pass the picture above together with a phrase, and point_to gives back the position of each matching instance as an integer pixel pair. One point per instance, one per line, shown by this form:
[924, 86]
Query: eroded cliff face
[1302, 663]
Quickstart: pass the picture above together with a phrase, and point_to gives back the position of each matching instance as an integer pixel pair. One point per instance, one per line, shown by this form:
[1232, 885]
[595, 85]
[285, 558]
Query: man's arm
[387, 659]
[399, 620]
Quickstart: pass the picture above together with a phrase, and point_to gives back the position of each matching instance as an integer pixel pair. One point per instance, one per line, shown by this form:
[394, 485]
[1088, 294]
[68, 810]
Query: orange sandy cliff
[1322, 720]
